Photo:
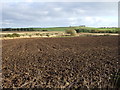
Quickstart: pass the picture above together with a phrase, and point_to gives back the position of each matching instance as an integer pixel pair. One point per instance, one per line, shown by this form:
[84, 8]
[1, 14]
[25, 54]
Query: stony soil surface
[71, 62]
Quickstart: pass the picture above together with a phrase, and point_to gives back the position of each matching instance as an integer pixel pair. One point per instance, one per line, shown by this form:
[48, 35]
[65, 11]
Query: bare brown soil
[69, 62]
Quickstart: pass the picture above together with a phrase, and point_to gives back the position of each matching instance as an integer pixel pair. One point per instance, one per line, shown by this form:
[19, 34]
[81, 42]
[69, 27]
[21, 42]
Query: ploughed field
[69, 62]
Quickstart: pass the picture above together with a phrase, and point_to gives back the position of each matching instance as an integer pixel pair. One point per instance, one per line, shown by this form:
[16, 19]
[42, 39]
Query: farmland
[83, 29]
[68, 62]
[10, 33]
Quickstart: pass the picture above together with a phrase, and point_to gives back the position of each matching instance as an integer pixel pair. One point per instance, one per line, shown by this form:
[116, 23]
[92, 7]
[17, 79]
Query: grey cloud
[58, 14]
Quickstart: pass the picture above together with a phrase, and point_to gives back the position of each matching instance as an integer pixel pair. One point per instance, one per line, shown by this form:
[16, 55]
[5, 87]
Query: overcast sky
[53, 14]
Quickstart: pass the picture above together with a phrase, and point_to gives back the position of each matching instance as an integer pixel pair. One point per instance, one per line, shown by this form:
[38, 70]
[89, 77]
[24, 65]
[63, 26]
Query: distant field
[67, 28]
[112, 29]
[87, 29]
[56, 28]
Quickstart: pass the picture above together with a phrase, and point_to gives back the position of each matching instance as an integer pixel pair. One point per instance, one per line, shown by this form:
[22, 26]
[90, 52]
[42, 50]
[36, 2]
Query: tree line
[18, 29]
[96, 31]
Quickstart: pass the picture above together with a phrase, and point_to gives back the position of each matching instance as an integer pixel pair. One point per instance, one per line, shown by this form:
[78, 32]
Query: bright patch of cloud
[29, 0]
[58, 9]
